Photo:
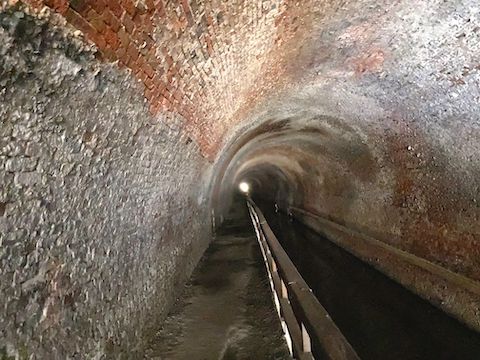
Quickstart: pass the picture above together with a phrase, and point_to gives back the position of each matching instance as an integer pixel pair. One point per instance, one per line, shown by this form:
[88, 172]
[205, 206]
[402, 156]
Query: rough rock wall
[102, 205]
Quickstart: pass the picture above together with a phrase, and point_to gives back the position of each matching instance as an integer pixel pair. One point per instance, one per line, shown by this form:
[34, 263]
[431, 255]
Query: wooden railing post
[306, 342]
[284, 290]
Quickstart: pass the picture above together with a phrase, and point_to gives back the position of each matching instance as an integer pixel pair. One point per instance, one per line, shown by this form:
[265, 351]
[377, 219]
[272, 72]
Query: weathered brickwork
[100, 202]
[196, 58]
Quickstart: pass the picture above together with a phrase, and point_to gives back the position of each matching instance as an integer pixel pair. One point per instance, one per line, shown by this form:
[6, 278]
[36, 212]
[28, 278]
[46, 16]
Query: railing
[310, 332]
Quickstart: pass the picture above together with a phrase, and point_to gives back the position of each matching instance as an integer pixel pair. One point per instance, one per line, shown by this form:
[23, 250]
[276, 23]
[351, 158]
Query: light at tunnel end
[244, 187]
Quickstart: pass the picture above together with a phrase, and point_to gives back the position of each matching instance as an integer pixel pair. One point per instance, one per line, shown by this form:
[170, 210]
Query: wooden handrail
[312, 332]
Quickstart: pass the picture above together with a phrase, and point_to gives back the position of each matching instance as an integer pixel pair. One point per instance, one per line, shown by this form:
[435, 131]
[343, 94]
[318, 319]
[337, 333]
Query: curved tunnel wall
[113, 152]
[380, 135]
[409, 126]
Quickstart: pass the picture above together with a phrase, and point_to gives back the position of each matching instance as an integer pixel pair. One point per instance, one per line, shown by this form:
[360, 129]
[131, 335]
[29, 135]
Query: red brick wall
[200, 59]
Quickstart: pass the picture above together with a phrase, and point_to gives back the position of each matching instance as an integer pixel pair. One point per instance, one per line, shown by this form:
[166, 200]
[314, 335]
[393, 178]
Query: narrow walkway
[226, 311]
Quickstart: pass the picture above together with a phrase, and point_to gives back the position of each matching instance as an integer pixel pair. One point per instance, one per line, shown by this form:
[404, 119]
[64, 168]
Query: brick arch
[198, 59]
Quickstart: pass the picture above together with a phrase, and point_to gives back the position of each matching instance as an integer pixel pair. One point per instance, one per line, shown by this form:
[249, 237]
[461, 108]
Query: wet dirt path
[226, 311]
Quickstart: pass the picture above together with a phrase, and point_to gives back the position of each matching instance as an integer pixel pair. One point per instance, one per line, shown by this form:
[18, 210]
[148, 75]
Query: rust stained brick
[152, 58]
[133, 53]
[126, 58]
[59, 6]
[209, 20]
[149, 70]
[157, 81]
[115, 8]
[79, 22]
[187, 11]
[147, 24]
[144, 50]
[170, 75]
[131, 63]
[123, 31]
[86, 27]
[129, 7]
[165, 101]
[111, 37]
[139, 19]
[140, 63]
[150, 4]
[141, 76]
[161, 87]
[109, 53]
[121, 54]
[98, 5]
[110, 19]
[168, 93]
[123, 37]
[157, 96]
[169, 60]
[96, 21]
[157, 105]
[149, 94]
[138, 36]
[153, 108]
[97, 38]
[178, 95]
[150, 42]
[128, 23]
[149, 83]
[160, 8]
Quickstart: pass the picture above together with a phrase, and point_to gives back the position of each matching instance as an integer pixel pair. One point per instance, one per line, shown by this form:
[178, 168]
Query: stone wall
[103, 207]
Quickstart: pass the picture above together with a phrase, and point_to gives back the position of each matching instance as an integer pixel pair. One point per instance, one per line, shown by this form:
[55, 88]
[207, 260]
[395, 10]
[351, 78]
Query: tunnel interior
[128, 126]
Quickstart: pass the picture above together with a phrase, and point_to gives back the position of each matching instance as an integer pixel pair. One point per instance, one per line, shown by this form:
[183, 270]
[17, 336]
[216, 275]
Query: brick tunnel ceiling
[362, 111]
